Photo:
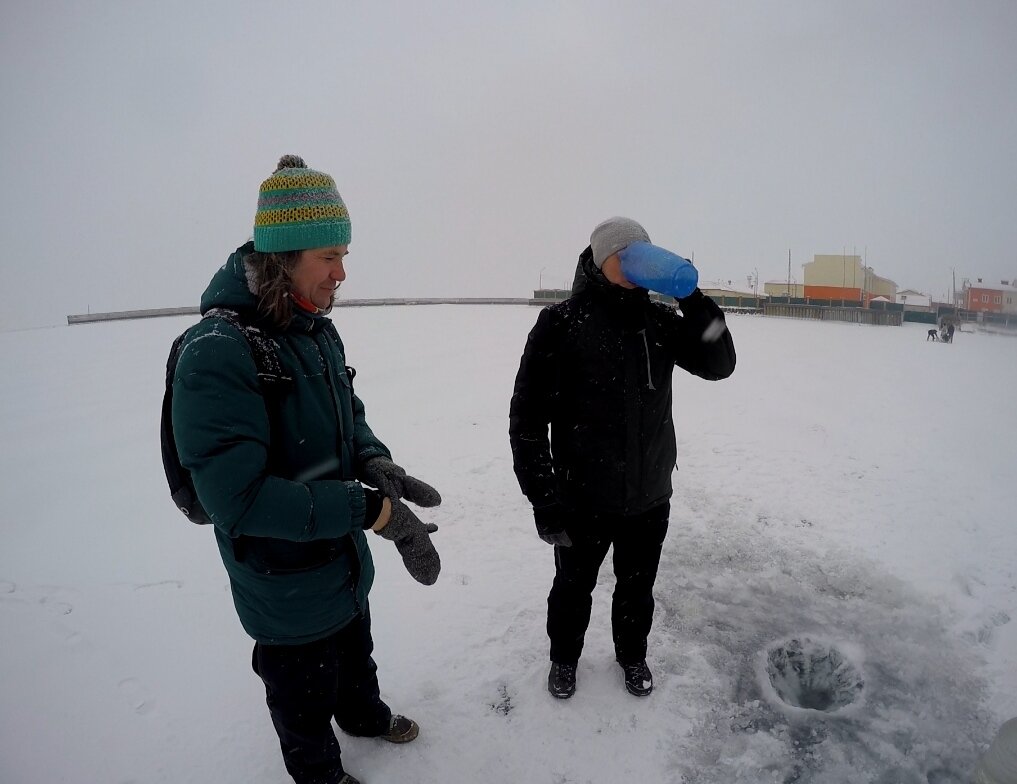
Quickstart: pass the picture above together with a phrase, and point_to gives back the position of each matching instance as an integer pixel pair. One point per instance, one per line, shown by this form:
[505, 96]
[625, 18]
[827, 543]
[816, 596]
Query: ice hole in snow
[813, 675]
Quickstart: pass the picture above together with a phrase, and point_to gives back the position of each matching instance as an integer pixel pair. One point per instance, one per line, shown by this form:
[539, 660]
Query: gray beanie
[613, 235]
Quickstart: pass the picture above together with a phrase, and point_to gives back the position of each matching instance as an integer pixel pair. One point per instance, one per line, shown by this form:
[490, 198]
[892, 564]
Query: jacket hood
[232, 286]
[590, 279]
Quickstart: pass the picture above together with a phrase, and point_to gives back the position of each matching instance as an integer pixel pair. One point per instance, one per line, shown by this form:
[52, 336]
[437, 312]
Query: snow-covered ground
[849, 486]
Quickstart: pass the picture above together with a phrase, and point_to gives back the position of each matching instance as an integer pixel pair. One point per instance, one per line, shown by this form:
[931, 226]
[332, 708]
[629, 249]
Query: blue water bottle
[657, 269]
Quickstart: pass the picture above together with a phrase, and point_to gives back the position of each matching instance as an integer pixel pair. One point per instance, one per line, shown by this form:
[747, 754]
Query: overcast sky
[477, 144]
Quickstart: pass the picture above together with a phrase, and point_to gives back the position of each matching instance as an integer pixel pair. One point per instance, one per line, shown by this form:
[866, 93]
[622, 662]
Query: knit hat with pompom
[299, 208]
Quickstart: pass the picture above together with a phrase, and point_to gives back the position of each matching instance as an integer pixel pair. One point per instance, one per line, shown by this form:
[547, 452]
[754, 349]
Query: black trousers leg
[306, 685]
[571, 597]
[359, 709]
[637, 547]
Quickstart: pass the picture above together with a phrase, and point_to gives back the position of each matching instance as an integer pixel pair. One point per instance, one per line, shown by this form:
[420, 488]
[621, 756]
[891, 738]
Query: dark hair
[273, 284]
[273, 270]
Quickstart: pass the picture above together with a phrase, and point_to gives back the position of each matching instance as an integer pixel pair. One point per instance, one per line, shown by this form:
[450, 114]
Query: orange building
[843, 277]
[982, 298]
[833, 292]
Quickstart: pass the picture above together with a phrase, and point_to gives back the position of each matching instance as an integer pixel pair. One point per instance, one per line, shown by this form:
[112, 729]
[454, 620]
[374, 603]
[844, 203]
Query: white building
[1009, 296]
[914, 300]
[724, 288]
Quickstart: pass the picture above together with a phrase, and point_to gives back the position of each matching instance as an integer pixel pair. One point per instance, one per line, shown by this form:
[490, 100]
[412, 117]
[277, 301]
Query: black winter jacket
[597, 368]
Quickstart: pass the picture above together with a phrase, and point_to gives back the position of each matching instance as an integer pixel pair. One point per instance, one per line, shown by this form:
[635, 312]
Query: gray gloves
[413, 541]
[411, 536]
[393, 481]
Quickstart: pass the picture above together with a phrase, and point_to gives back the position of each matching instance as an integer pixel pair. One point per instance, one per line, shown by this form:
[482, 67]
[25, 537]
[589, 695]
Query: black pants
[637, 544]
[306, 685]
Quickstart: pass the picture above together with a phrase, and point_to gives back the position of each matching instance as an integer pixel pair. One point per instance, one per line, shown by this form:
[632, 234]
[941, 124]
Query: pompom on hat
[299, 208]
[613, 235]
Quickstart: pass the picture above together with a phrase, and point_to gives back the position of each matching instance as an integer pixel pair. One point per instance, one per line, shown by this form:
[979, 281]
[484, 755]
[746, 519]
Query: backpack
[272, 380]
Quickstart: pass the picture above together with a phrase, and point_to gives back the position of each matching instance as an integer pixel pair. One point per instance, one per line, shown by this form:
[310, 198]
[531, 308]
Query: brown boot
[401, 730]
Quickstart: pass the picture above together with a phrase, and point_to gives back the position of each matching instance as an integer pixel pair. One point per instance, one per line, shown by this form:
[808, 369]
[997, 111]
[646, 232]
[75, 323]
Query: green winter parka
[277, 471]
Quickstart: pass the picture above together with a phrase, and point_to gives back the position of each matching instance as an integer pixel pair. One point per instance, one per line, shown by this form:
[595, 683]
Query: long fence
[193, 310]
[821, 313]
[800, 310]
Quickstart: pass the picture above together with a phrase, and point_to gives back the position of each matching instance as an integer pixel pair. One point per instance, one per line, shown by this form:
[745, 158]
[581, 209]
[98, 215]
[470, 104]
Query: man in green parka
[293, 476]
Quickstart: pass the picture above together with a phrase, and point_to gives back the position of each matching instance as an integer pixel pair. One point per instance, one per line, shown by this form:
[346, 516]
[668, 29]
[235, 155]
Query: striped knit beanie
[299, 208]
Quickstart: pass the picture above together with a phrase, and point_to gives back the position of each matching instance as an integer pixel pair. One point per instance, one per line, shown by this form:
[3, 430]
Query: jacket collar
[234, 287]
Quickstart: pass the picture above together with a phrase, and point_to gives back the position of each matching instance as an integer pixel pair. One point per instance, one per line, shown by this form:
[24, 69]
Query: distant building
[914, 300]
[782, 288]
[720, 288]
[843, 277]
[1008, 292]
[731, 297]
[989, 298]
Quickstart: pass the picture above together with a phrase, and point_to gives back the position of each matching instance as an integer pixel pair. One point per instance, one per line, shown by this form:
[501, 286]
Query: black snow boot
[638, 679]
[561, 680]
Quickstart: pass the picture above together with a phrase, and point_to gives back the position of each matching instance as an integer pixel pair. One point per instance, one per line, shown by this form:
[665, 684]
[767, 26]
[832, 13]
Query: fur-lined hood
[234, 285]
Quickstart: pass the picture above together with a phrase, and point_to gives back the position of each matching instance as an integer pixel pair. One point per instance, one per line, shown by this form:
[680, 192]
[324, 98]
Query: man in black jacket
[597, 369]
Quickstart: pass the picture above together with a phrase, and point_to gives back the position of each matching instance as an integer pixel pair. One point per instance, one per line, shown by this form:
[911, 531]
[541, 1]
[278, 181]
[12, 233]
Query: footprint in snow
[161, 584]
[10, 592]
[131, 688]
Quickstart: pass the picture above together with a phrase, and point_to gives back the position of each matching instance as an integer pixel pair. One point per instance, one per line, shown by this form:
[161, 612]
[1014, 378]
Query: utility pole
[789, 274]
[866, 277]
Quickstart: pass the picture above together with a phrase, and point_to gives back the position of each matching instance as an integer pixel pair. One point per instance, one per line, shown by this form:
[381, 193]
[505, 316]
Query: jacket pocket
[266, 555]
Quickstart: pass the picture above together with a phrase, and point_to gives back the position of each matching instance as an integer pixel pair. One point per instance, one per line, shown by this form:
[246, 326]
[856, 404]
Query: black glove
[705, 312]
[413, 541]
[394, 482]
[692, 300]
[372, 506]
[550, 522]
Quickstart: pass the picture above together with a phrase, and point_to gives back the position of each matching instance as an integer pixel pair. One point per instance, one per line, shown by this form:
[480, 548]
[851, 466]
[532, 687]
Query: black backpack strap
[263, 349]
